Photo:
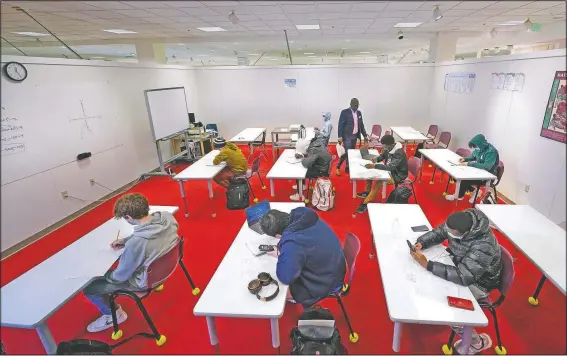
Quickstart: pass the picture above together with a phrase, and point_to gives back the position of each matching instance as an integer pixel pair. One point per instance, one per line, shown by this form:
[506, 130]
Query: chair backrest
[414, 165]
[499, 172]
[351, 248]
[255, 165]
[162, 267]
[444, 138]
[432, 131]
[377, 130]
[463, 152]
[507, 274]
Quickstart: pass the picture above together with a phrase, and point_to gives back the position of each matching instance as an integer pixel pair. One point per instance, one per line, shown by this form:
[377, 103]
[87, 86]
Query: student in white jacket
[327, 128]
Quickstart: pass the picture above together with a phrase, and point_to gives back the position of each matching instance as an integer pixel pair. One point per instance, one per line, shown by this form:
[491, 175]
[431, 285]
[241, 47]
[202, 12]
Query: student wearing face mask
[476, 255]
[395, 161]
[327, 127]
[484, 156]
[154, 235]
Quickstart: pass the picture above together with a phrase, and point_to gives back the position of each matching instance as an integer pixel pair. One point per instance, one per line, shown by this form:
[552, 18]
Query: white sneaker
[452, 198]
[484, 342]
[105, 321]
[471, 199]
[295, 197]
[295, 187]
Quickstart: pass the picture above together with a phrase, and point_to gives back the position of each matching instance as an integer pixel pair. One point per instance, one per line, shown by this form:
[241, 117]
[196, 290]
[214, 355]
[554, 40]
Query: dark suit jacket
[346, 124]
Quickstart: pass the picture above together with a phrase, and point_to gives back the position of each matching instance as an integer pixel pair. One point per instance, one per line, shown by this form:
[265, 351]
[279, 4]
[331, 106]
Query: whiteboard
[167, 109]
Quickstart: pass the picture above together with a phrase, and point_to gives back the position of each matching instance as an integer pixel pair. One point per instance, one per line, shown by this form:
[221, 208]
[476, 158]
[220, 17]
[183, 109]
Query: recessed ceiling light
[364, 52]
[312, 56]
[211, 29]
[408, 24]
[119, 31]
[308, 53]
[33, 34]
[254, 54]
[511, 23]
[273, 59]
[307, 27]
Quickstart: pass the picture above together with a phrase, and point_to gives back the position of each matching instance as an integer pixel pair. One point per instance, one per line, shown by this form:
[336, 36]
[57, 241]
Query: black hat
[219, 142]
[460, 221]
[388, 140]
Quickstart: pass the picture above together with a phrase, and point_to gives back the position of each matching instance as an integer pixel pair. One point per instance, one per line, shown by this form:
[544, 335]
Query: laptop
[255, 213]
[366, 155]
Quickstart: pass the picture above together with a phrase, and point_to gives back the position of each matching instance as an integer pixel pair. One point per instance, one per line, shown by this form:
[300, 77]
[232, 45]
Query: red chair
[463, 152]
[444, 140]
[432, 132]
[158, 272]
[507, 275]
[254, 169]
[414, 167]
[374, 138]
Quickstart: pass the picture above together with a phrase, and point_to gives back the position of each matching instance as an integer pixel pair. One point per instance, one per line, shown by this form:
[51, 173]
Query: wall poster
[555, 119]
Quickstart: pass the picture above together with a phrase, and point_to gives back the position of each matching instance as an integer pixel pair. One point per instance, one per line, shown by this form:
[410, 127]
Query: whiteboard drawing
[85, 128]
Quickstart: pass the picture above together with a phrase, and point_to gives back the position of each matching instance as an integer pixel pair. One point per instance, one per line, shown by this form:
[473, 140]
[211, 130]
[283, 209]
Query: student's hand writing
[463, 164]
[369, 166]
[461, 159]
[117, 244]
[420, 258]
[273, 253]
[298, 155]
[418, 246]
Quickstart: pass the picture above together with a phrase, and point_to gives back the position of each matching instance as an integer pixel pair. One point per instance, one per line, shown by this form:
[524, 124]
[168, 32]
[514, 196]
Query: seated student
[154, 235]
[476, 255]
[483, 156]
[327, 128]
[236, 163]
[310, 256]
[314, 156]
[396, 163]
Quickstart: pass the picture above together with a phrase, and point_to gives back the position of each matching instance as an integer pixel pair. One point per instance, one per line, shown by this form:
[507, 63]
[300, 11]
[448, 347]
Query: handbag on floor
[316, 334]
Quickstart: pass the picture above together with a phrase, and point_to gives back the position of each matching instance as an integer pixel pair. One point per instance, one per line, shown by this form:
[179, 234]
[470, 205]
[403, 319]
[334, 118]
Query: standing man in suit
[351, 127]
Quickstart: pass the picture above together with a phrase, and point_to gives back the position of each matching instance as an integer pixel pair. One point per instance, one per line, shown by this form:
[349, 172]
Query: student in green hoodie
[484, 156]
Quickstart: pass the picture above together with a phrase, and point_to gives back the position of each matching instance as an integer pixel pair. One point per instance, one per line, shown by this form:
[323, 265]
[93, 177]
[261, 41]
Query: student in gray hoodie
[154, 235]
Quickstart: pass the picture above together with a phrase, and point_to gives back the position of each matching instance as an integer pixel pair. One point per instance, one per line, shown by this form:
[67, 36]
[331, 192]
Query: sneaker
[105, 321]
[362, 195]
[484, 342]
[295, 197]
[471, 199]
[452, 197]
[338, 172]
[295, 187]
[361, 208]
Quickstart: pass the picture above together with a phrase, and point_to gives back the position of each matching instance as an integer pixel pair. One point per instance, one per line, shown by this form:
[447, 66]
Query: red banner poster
[555, 119]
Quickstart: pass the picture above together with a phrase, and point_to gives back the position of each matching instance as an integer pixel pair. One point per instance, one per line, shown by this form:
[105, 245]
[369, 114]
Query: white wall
[44, 103]
[237, 97]
[511, 121]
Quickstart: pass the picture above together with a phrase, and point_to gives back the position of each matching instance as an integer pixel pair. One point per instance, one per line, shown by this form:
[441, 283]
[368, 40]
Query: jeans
[477, 294]
[349, 143]
[99, 290]
[467, 186]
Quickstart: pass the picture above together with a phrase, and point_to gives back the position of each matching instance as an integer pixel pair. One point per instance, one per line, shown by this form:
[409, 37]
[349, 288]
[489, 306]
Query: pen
[118, 234]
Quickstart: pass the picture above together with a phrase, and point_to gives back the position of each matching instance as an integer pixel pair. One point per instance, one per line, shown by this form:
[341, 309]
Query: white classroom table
[29, 300]
[283, 169]
[227, 294]
[289, 143]
[248, 136]
[358, 172]
[408, 134]
[442, 157]
[203, 169]
[539, 238]
[413, 294]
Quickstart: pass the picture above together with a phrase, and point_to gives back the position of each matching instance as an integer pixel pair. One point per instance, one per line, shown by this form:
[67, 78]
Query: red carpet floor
[525, 329]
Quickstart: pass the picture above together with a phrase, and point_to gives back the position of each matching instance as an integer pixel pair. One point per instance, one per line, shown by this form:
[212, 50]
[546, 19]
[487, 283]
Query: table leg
[212, 196]
[272, 187]
[353, 189]
[46, 339]
[275, 332]
[533, 300]
[384, 185]
[182, 188]
[212, 326]
[300, 189]
[273, 147]
[397, 337]
[405, 146]
[457, 189]
[467, 338]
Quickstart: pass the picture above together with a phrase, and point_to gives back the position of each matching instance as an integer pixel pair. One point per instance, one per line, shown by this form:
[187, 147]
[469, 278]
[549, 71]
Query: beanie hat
[388, 140]
[326, 116]
[460, 221]
[219, 142]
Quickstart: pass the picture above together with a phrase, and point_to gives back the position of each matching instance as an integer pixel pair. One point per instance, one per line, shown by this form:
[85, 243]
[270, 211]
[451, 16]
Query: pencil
[118, 234]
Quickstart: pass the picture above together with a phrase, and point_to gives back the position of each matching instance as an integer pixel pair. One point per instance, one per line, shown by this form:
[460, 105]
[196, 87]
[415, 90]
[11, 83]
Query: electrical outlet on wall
[64, 194]
[92, 181]
[527, 188]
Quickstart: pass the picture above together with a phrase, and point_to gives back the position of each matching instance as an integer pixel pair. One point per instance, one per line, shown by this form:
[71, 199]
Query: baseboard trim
[39, 235]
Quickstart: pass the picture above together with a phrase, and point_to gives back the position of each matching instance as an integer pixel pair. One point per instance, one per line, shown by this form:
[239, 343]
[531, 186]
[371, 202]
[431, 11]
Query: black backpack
[400, 195]
[309, 343]
[84, 347]
[238, 194]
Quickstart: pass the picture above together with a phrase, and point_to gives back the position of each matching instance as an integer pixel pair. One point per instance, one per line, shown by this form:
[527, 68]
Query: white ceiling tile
[489, 12]
[333, 15]
[551, 11]
[302, 17]
[355, 31]
[368, 6]
[74, 6]
[333, 7]
[37, 6]
[248, 18]
[147, 4]
[103, 22]
[420, 15]
[388, 13]
[132, 20]
[332, 26]
[458, 13]
[185, 19]
[260, 10]
[443, 5]
[76, 15]
[199, 11]
[333, 22]
[166, 12]
[258, 3]
[279, 23]
[281, 28]
[363, 15]
[156, 19]
[290, 2]
[183, 3]
[258, 28]
[298, 9]
[519, 11]
[108, 5]
[508, 4]
[269, 17]
[106, 14]
[135, 13]
[333, 32]
[216, 18]
[253, 23]
[403, 5]
[473, 5]
[267, 33]
[543, 4]
[359, 23]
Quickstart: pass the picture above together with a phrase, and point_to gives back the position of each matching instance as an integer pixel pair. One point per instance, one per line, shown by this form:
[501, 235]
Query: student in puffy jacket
[314, 156]
[484, 156]
[236, 163]
[476, 255]
[310, 256]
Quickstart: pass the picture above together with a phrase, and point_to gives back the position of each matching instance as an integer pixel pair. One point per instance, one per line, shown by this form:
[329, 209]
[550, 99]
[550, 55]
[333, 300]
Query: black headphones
[264, 279]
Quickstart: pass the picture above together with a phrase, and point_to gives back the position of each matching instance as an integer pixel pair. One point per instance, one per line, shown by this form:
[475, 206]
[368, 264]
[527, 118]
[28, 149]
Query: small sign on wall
[459, 82]
[290, 83]
[555, 118]
[507, 81]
